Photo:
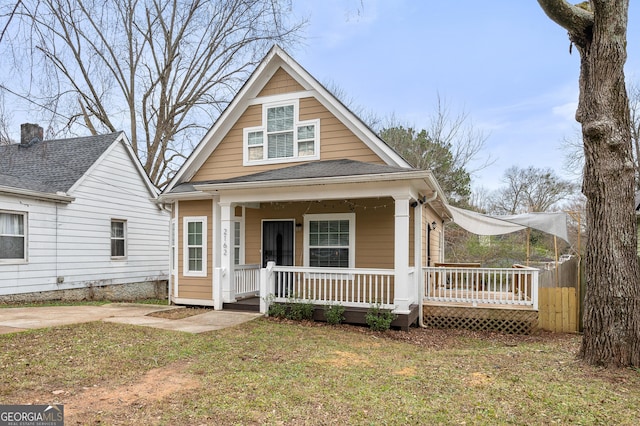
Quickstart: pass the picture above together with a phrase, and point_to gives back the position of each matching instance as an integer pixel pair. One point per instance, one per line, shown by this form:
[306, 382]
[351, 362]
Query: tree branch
[578, 21]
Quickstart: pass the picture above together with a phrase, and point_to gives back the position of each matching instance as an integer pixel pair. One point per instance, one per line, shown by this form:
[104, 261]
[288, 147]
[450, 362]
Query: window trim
[124, 238]
[351, 217]
[297, 123]
[25, 237]
[185, 248]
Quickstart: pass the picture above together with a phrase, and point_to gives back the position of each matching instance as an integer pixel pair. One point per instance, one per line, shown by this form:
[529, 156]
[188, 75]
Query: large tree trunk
[612, 309]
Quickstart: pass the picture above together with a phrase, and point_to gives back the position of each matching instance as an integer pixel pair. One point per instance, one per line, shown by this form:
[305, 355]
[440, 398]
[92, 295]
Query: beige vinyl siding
[374, 228]
[336, 140]
[280, 83]
[194, 287]
[226, 160]
[428, 216]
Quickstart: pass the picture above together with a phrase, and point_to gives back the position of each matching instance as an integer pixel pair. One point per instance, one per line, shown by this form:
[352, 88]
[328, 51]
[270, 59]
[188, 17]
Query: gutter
[170, 198]
[59, 197]
[313, 181]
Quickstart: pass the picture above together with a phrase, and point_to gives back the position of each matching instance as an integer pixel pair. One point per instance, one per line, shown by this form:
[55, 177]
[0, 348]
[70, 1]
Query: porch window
[236, 243]
[282, 137]
[118, 238]
[330, 240]
[13, 237]
[195, 246]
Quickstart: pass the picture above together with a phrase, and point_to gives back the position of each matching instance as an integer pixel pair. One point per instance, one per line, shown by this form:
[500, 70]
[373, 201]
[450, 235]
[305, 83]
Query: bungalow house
[290, 196]
[79, 219]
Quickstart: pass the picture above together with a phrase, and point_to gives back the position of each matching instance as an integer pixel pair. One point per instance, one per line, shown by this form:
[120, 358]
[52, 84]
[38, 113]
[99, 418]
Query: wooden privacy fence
[558, 298]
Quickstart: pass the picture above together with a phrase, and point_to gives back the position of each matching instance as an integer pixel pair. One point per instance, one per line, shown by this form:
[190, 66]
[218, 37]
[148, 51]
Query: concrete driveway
[13, 320]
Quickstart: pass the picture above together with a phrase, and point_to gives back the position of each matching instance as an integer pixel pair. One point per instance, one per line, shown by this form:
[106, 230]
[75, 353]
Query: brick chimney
[30, 134]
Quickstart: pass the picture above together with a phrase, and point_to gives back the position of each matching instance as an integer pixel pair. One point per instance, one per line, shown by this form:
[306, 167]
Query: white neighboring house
[80, 216]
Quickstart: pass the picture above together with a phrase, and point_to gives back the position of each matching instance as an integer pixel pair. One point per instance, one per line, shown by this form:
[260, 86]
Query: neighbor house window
[118, 238]
[330, 240]
[13, 236]
[195, 249]
[281, 137]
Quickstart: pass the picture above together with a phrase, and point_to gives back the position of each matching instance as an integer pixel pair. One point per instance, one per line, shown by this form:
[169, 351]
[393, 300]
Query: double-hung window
[330, 240]
[118, 238]
[281, 137]
[13, 236]
[195, 246]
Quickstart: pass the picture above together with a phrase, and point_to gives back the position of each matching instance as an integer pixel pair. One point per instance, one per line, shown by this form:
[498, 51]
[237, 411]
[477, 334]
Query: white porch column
[401, 255]
[419, 236]
[226, 265]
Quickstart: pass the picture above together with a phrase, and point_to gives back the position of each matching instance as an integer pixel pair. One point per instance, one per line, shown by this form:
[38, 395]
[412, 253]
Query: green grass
[270, 372]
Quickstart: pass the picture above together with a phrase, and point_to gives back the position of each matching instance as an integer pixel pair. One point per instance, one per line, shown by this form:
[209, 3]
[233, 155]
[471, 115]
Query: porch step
[250, 304]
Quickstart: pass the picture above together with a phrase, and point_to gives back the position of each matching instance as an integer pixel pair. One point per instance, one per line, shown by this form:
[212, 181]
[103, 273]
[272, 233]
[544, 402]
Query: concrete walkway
[13, 320]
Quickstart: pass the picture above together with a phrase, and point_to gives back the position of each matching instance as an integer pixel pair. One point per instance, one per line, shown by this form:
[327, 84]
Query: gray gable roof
[51, 166]
[311, 170]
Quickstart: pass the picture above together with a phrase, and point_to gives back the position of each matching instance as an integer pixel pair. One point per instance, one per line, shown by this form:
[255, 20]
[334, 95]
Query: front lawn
[279, 372]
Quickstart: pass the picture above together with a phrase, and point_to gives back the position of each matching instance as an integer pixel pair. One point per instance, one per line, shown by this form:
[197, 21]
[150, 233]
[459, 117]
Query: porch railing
[348, 287]
[517, 286]
[246, 280]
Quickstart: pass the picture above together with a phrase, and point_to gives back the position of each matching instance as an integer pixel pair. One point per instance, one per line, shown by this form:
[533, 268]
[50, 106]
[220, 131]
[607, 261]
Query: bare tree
[573, 147]
[154, 67]
[449, 146]
[598, 30]
[5, 122]
[634, 111]
[530, 190]
[368, 116]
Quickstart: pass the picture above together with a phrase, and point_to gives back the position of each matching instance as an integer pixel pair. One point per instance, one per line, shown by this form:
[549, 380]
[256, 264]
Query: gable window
[282, 137]
[195, 246]
[118, 238]
[13, 237]
[330, 240]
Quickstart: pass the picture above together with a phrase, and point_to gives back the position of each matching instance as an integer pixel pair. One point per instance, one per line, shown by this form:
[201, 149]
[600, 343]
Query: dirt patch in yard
[179, 313]
[154, 386]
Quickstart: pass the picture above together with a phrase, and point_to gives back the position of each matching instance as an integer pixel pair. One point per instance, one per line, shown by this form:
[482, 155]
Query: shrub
[277, 310]
[334, 314]
[300, 311]
[379, 319]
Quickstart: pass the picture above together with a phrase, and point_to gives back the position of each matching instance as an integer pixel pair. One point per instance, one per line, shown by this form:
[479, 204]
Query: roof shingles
[51, 166]
[311, 170]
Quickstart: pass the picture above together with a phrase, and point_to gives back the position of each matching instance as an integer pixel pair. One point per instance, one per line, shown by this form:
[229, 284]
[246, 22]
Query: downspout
[420, 281]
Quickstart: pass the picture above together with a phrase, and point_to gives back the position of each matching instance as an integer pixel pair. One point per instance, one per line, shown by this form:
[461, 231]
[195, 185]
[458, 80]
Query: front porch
[450, 296]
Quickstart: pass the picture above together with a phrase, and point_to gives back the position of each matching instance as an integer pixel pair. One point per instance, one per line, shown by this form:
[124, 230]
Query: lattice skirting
[478, 319]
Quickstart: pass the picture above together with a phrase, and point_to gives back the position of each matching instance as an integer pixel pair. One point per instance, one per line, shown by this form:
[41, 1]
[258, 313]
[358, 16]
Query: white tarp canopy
[482, 224]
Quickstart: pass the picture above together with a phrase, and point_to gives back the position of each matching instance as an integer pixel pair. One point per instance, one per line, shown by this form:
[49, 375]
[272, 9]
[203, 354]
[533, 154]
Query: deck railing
[517, 286]
[246, 280]
[347, 287]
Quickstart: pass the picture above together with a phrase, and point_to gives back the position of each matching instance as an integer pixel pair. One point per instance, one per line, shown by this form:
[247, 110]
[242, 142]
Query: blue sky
[502, 61]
